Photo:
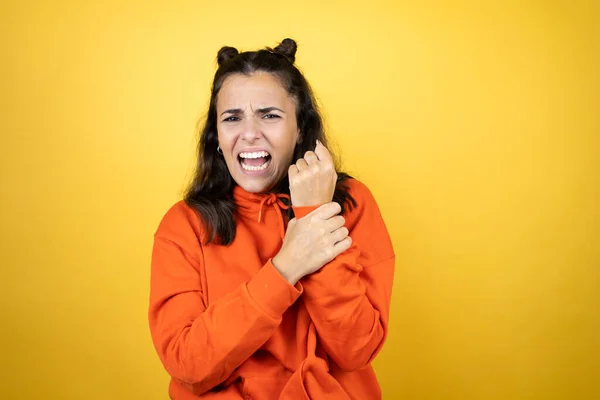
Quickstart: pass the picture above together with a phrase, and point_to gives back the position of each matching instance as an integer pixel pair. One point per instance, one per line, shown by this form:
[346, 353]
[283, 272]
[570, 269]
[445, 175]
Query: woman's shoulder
[360, 192]
[365, 207]
[180, 223]
[366, 224]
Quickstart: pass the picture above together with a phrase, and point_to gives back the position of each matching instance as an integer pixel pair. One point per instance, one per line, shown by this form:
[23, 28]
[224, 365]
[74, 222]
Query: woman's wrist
[284, 269]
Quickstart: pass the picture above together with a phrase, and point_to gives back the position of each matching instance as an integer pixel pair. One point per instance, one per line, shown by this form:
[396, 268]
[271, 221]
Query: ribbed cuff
[272, 292]
[300, 212]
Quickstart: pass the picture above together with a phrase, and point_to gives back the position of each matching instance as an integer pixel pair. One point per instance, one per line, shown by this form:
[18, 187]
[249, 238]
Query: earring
[219, 150]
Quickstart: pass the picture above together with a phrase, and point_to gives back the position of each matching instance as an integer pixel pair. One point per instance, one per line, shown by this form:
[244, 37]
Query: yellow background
[475, 124]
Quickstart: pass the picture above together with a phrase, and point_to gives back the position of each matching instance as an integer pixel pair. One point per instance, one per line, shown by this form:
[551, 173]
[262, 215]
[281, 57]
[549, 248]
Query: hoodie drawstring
[275, 200]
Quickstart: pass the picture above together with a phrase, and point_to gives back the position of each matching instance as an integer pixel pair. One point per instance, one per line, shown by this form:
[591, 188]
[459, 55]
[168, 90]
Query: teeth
[256, 168]
[257, 154]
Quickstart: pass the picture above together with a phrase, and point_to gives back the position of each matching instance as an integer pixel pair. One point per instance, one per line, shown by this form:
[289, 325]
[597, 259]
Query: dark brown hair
[210, 192]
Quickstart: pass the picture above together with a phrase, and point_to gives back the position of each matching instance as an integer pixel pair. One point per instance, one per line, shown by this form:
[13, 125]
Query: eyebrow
[265, 110]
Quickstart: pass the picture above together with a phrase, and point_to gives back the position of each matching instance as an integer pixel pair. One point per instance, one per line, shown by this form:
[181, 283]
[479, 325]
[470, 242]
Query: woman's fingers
[311, 158]
[339, 234]
[322, 153]
[342, 246]
[335, 223]
[292, 172]
[328, 210]
[301, 164]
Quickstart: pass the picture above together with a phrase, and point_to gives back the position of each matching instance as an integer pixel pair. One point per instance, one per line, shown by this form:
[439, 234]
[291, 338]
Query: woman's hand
[313, 178]
[311, 242]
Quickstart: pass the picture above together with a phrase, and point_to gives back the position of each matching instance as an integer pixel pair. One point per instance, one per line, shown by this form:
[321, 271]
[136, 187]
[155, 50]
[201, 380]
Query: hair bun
[287, 48]
[226, 53]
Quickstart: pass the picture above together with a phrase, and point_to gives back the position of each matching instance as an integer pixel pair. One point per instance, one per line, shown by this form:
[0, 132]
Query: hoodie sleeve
[201, 345]
[349, 298]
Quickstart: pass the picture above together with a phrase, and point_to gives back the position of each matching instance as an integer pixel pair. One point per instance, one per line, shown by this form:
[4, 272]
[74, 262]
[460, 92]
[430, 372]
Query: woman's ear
[300, 138]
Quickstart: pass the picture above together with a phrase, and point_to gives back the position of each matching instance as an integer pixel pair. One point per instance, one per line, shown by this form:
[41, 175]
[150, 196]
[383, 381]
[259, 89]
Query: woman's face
[257, 129]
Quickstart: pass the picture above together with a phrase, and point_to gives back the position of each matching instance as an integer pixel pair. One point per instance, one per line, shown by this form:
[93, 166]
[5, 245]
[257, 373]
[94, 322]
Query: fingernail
[319, 142]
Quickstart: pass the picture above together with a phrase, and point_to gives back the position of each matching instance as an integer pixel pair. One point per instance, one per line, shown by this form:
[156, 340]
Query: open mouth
[254, 161]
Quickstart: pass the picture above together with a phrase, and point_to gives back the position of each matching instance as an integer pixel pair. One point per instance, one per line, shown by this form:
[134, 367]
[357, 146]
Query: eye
[231, 119]
[271, 116]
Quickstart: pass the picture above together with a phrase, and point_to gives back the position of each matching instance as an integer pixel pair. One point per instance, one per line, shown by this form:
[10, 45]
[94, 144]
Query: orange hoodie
[227, 325]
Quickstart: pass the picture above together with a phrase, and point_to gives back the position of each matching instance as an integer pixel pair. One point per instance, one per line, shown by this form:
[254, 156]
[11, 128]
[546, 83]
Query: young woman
[272, 279]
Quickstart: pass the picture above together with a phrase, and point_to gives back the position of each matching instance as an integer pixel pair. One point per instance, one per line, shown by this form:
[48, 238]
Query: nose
[251, 131]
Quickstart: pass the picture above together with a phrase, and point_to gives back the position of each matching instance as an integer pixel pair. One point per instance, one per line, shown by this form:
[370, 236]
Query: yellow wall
[476, 126]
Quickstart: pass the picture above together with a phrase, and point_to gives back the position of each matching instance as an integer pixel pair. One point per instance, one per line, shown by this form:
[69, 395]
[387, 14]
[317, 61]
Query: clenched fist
[313, 178]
